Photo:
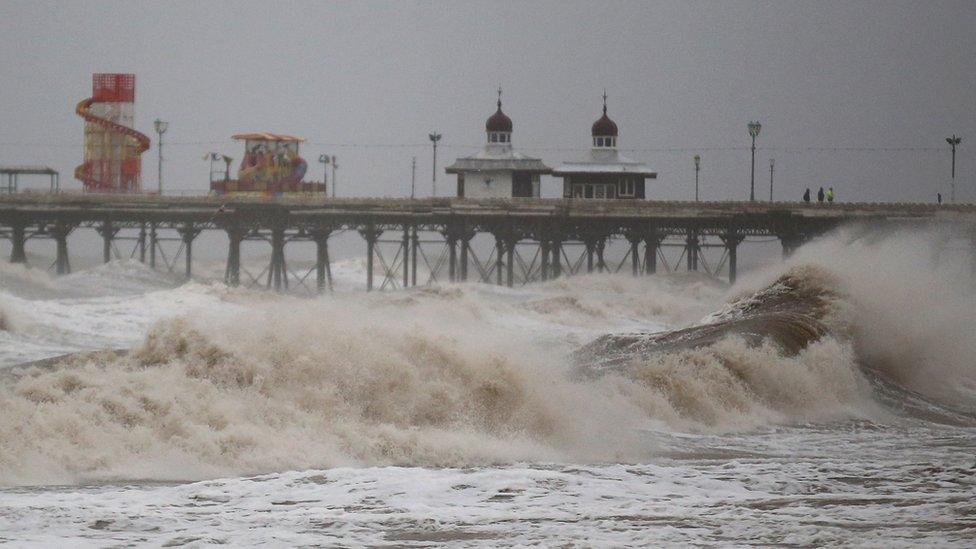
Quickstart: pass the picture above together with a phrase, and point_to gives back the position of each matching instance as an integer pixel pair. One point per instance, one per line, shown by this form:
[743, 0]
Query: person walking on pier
[830, 195]
[820, 195]
[806, 196]
[939, 195]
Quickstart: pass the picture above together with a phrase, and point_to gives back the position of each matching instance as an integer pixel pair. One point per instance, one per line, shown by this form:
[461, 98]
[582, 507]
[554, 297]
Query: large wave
[467, 375]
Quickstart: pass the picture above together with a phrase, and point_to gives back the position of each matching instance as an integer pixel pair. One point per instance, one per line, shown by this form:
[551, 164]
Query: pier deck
[550, 224]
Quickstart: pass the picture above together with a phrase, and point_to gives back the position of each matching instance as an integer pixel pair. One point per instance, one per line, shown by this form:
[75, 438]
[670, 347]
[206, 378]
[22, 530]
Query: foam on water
[469, 391]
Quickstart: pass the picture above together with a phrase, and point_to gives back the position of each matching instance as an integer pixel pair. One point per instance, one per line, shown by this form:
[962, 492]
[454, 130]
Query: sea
[138, 410]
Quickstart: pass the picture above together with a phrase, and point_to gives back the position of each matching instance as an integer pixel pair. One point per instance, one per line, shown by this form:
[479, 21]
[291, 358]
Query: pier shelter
[498, 171]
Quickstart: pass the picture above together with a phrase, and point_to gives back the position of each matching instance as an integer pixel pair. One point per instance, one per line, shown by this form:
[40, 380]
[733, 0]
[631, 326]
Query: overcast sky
[368, 81]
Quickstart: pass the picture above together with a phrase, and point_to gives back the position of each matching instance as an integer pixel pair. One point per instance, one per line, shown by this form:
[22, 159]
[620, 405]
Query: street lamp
[754, 128]
[772, 161]
[335, 180]
[434, 138]
[413, 178]
[697, 168]
[324, 159]
[161, 128]
[953, 141]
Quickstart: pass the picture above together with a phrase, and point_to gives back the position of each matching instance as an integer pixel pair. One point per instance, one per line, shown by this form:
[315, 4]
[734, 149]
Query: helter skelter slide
[112, 147]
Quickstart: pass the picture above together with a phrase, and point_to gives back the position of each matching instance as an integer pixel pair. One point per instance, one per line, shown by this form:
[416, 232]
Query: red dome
[604, 126]
[498, 122]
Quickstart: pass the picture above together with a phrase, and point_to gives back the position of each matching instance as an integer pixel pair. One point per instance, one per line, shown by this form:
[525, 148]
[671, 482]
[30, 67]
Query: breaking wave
[467, 375]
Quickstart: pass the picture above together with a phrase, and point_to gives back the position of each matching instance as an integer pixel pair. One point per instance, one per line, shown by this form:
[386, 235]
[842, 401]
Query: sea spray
[433, 378]
[468, 374]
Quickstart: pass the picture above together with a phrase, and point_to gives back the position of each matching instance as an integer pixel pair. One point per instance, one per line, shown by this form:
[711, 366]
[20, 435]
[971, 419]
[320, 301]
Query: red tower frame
[112, 147]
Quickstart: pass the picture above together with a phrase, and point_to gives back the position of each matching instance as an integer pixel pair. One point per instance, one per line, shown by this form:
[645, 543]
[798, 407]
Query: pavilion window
[627, 187]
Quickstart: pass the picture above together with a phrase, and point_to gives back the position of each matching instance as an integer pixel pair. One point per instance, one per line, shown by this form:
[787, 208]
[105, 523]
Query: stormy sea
[826, 400]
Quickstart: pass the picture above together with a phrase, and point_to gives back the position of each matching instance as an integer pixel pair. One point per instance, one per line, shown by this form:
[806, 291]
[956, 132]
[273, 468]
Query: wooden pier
[549, 226]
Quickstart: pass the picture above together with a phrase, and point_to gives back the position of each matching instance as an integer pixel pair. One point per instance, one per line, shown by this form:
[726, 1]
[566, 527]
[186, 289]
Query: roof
[261, 136]
[28, 170]
[498, 122]
[480, 165]
[605, 161]
[604, 126]
[498, 158]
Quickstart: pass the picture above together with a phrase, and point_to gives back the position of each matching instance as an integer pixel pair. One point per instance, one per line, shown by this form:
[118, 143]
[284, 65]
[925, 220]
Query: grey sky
[680, 75]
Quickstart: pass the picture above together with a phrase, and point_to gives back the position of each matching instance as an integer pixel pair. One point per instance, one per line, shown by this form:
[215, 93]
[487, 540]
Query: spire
[604, 127]
[498, 122]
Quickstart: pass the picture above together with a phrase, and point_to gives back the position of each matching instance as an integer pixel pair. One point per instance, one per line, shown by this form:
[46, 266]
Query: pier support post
[790, 243]
[232, 275]
[60, 231]
[590, 248]
[732, 241]
[635, 263]
[371, 234]
[652, 242]
[108, 232]
[405, 251]
[463, 265]
[323, 267]
[556, 251]
[278, 271]
[152, 245]
[499, 259]
[188, 232]
[415, 245]
[510, 260]
[451, 255]
[544, 245]
[465, 247]
[692, 248]
[18, 239]
[142, 243]
[601, 245]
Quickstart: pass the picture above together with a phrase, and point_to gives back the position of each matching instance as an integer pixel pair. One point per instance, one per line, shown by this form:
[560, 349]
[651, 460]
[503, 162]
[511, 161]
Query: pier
[522, 240]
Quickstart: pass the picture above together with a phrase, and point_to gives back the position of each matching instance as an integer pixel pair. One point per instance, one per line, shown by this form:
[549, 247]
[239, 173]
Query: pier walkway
[549, 226]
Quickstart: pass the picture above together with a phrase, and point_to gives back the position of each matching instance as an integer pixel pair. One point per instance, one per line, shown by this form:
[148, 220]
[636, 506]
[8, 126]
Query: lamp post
[335, 180]
[697, 168]
[434, 138]
[754, 128]
[324, 159]
[953, 141]
[413, 178]
[772, 161]
[161, 128]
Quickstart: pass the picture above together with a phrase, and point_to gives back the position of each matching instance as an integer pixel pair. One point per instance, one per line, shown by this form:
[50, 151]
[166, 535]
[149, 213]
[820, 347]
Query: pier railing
[548, 227]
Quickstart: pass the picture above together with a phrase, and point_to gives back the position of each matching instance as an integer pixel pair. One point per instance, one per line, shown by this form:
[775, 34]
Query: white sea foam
[725, 444]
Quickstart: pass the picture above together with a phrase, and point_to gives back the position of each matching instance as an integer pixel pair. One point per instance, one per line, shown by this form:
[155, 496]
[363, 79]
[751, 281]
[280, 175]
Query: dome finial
[604, 101]
[499, 96]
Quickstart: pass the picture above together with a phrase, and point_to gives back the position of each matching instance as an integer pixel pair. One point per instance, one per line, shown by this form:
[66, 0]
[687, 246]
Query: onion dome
[604, 126]
[499, 122]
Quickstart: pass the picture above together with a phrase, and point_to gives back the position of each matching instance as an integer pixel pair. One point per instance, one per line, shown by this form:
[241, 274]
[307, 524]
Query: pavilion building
[498, 171]
[604, 173]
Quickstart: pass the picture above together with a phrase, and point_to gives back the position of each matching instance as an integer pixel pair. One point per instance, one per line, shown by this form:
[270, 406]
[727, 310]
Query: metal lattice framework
[493, 241]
